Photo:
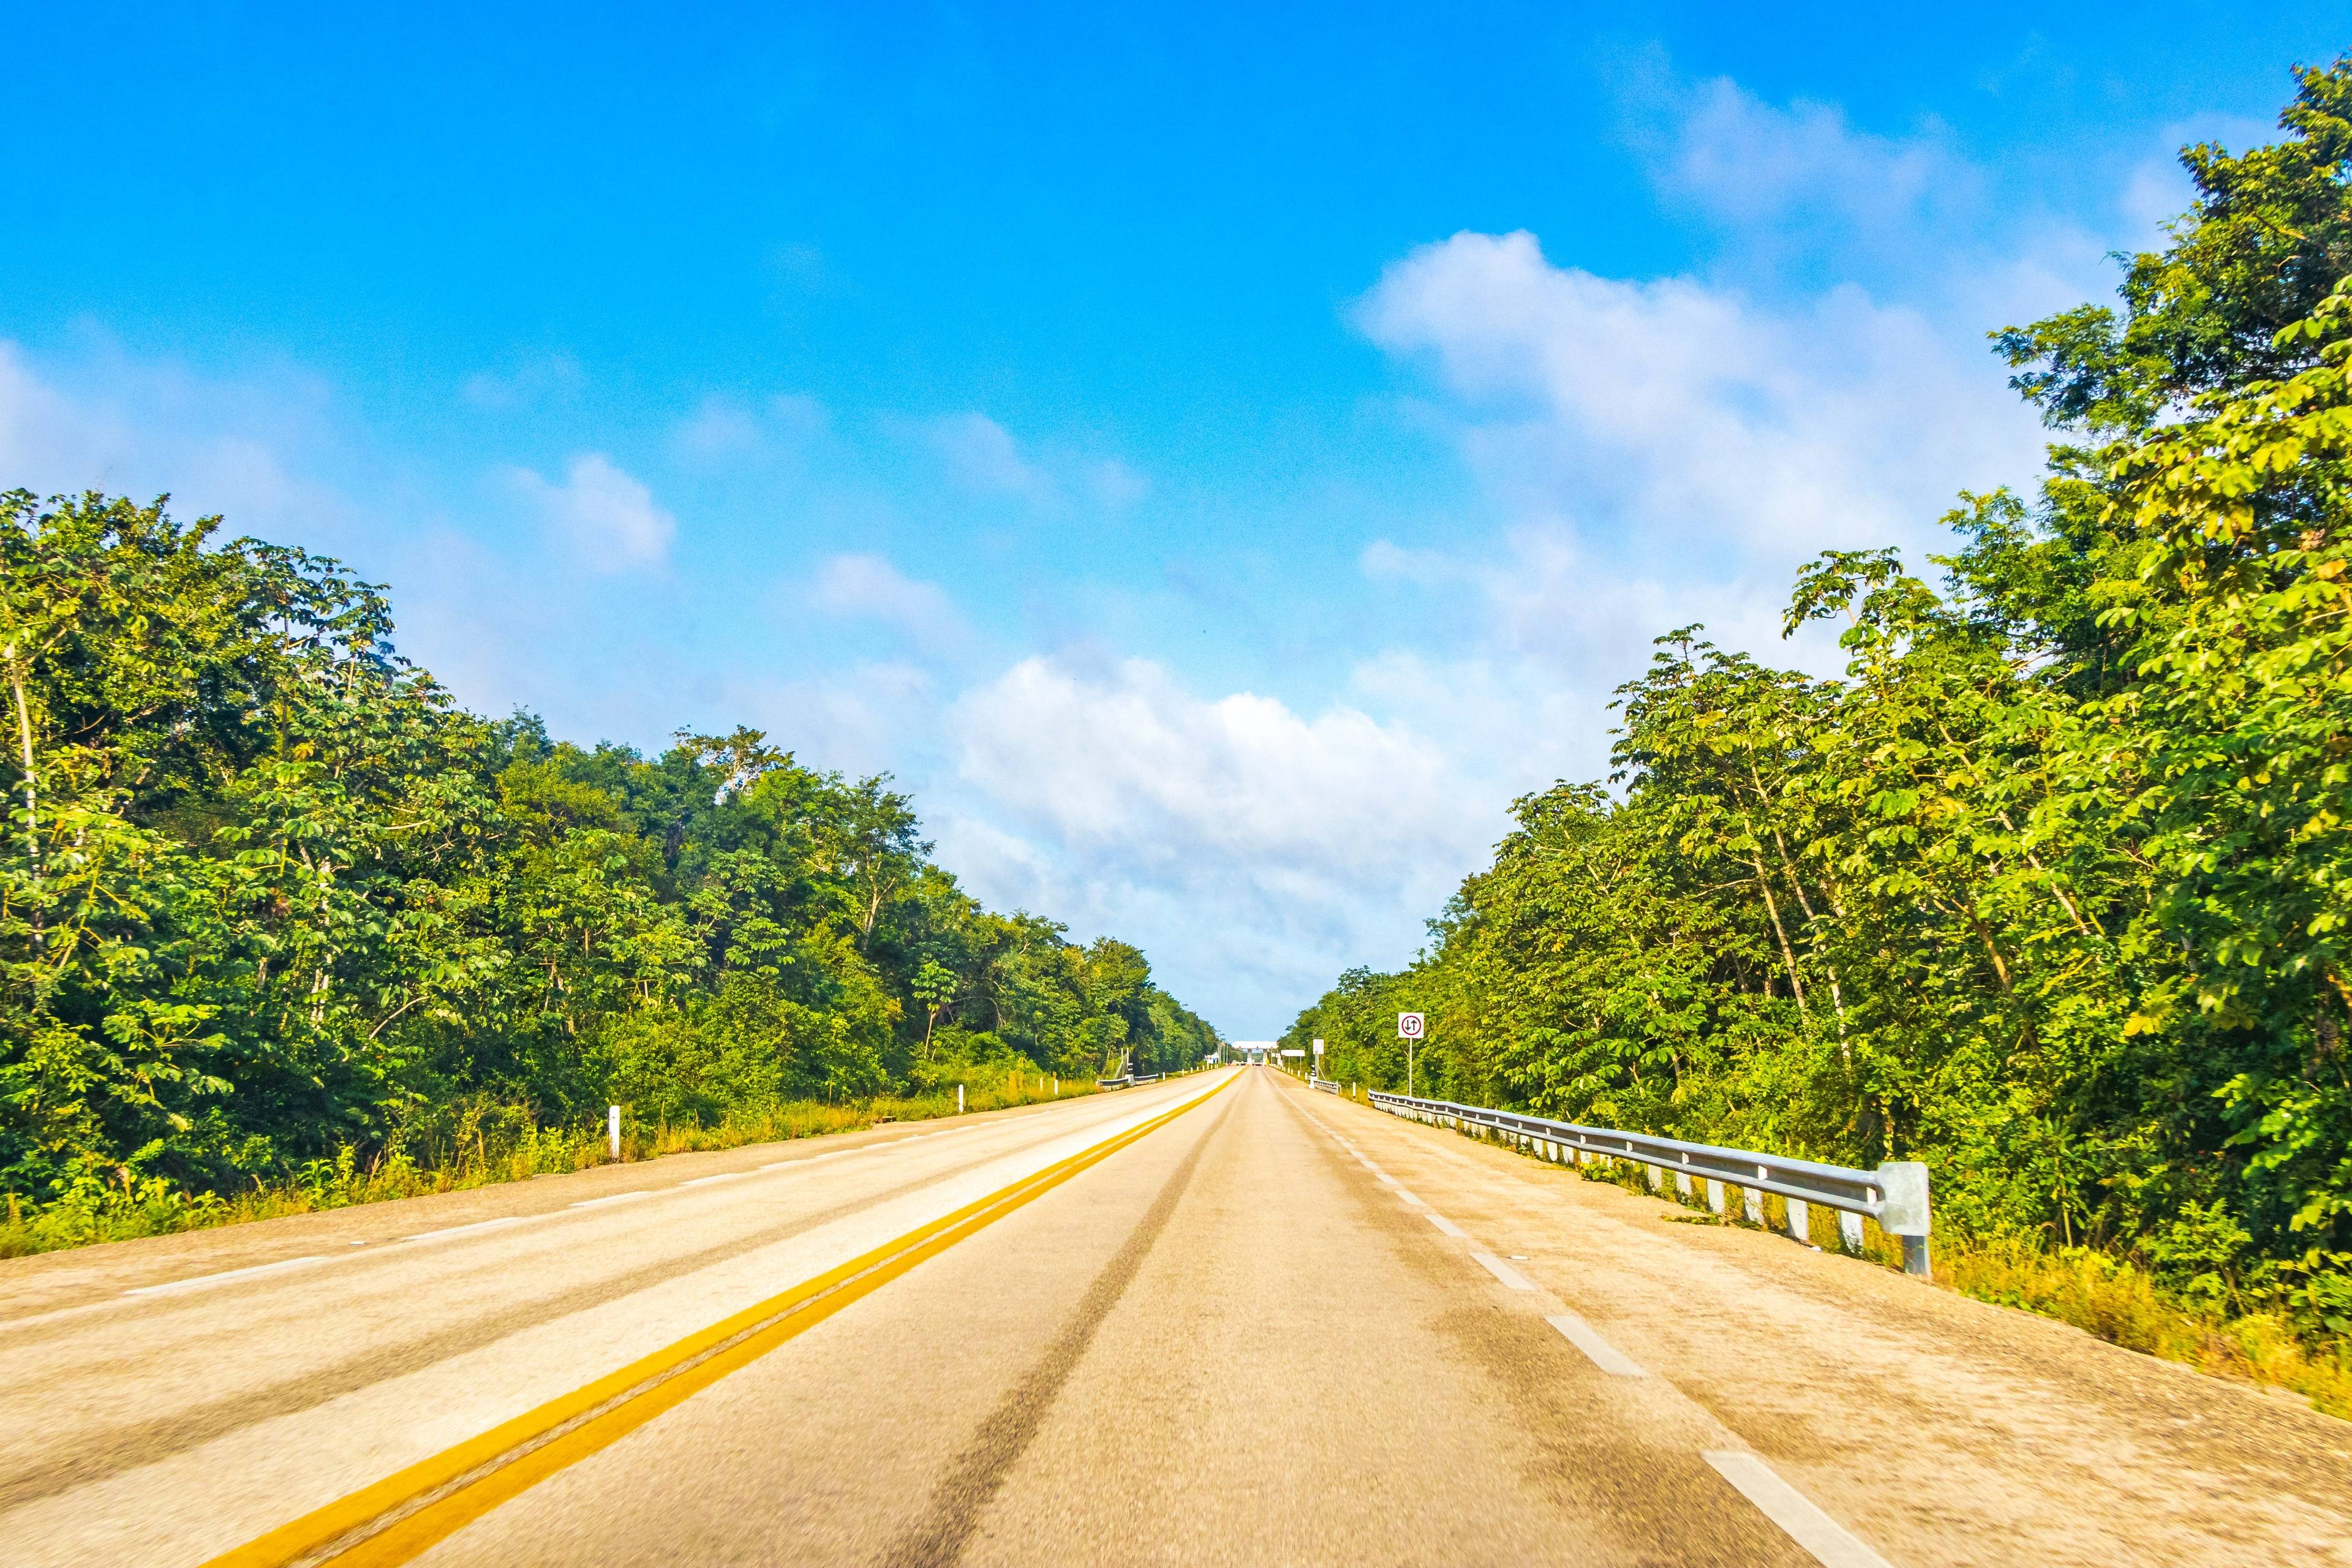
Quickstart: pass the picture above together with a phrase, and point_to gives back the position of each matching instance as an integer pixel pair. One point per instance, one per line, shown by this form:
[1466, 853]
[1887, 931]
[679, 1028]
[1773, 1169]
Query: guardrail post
[1714, 1195]
[1682, 1182]
[1800, 1219]
[1850, 1231]
[1657, 1177]
[1904, 1212]
[1751, 1205]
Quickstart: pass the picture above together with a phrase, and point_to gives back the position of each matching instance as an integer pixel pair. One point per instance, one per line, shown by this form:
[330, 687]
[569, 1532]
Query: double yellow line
[403, 1515]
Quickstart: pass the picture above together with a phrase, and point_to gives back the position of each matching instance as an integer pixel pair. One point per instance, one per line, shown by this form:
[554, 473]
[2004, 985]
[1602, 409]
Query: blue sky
[1215, 460]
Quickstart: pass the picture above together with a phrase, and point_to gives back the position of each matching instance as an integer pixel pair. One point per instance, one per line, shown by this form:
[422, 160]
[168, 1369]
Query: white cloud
[875, 716]
[719, 428]
[144, 428]
[723, 428]
[1666, 414]
[982, 455]
[868, 587]
[1251, 844]
[1116, 486]
[607, 517]
[1802, 198]
[1125, 760]
[1753, 164]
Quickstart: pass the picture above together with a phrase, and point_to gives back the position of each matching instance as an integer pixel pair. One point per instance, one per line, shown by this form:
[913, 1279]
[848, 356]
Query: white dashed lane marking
[1586, 1338]
[1792, 1510]
[1503, 1271]
[1827, 1541]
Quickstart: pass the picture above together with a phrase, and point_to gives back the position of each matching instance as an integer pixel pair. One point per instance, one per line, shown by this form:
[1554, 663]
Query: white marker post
[959, 1100]
[1411, 1027]
[613, 1129]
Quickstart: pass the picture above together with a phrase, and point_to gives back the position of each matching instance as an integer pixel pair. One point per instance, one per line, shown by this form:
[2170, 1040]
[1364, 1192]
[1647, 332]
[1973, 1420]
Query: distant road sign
[1294, 1053]
[1410, 1027]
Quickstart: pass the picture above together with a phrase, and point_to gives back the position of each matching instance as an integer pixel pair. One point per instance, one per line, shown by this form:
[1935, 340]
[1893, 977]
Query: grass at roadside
[2108, 1296]
[2113, 1298]
[473, 1157]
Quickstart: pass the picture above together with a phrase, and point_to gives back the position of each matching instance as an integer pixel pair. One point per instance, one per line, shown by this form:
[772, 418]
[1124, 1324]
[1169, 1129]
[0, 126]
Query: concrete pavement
[1274, 1326]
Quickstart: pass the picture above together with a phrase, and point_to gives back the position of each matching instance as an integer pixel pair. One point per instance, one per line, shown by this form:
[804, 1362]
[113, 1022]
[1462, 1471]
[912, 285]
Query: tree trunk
[32, 787]
[1772, 908]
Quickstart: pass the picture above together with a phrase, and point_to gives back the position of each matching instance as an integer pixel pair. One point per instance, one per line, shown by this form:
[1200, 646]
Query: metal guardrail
[1329, 1086]
[1114, 1082]
[1895, 1194]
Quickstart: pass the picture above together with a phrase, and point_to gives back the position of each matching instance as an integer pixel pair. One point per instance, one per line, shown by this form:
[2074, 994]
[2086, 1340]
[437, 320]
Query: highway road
[1219, 1320]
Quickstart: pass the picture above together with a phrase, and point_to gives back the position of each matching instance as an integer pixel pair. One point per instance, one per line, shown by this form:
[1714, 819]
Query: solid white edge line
[1797, 1515]
[1392, 1181]
[615, 1198]
[1600, 1351]
[721, 1176]
[1442, 1223]
[1501, 1270]
[448, 1230]
[200, 1281]
[1408, 1197]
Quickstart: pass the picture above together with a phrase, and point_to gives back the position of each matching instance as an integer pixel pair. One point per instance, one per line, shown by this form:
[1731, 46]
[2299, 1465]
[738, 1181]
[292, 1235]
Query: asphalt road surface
[1220, 1319]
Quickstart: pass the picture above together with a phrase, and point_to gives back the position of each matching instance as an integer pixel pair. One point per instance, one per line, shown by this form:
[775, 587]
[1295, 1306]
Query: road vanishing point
[1217, 1320]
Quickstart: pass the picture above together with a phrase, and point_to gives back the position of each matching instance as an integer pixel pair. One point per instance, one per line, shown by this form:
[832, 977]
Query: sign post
[1410, 1028]
[1318, 1058]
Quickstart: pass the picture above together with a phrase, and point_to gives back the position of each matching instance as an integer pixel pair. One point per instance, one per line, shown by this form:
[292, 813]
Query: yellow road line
[397, 1518]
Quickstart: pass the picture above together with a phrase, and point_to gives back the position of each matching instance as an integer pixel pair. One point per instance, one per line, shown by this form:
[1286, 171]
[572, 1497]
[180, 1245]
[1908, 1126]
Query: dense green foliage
[268, 895]
[2053, 889]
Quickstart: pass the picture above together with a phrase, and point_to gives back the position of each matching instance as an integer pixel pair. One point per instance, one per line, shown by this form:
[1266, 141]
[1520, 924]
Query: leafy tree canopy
[267, 892]
[2053, 888]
